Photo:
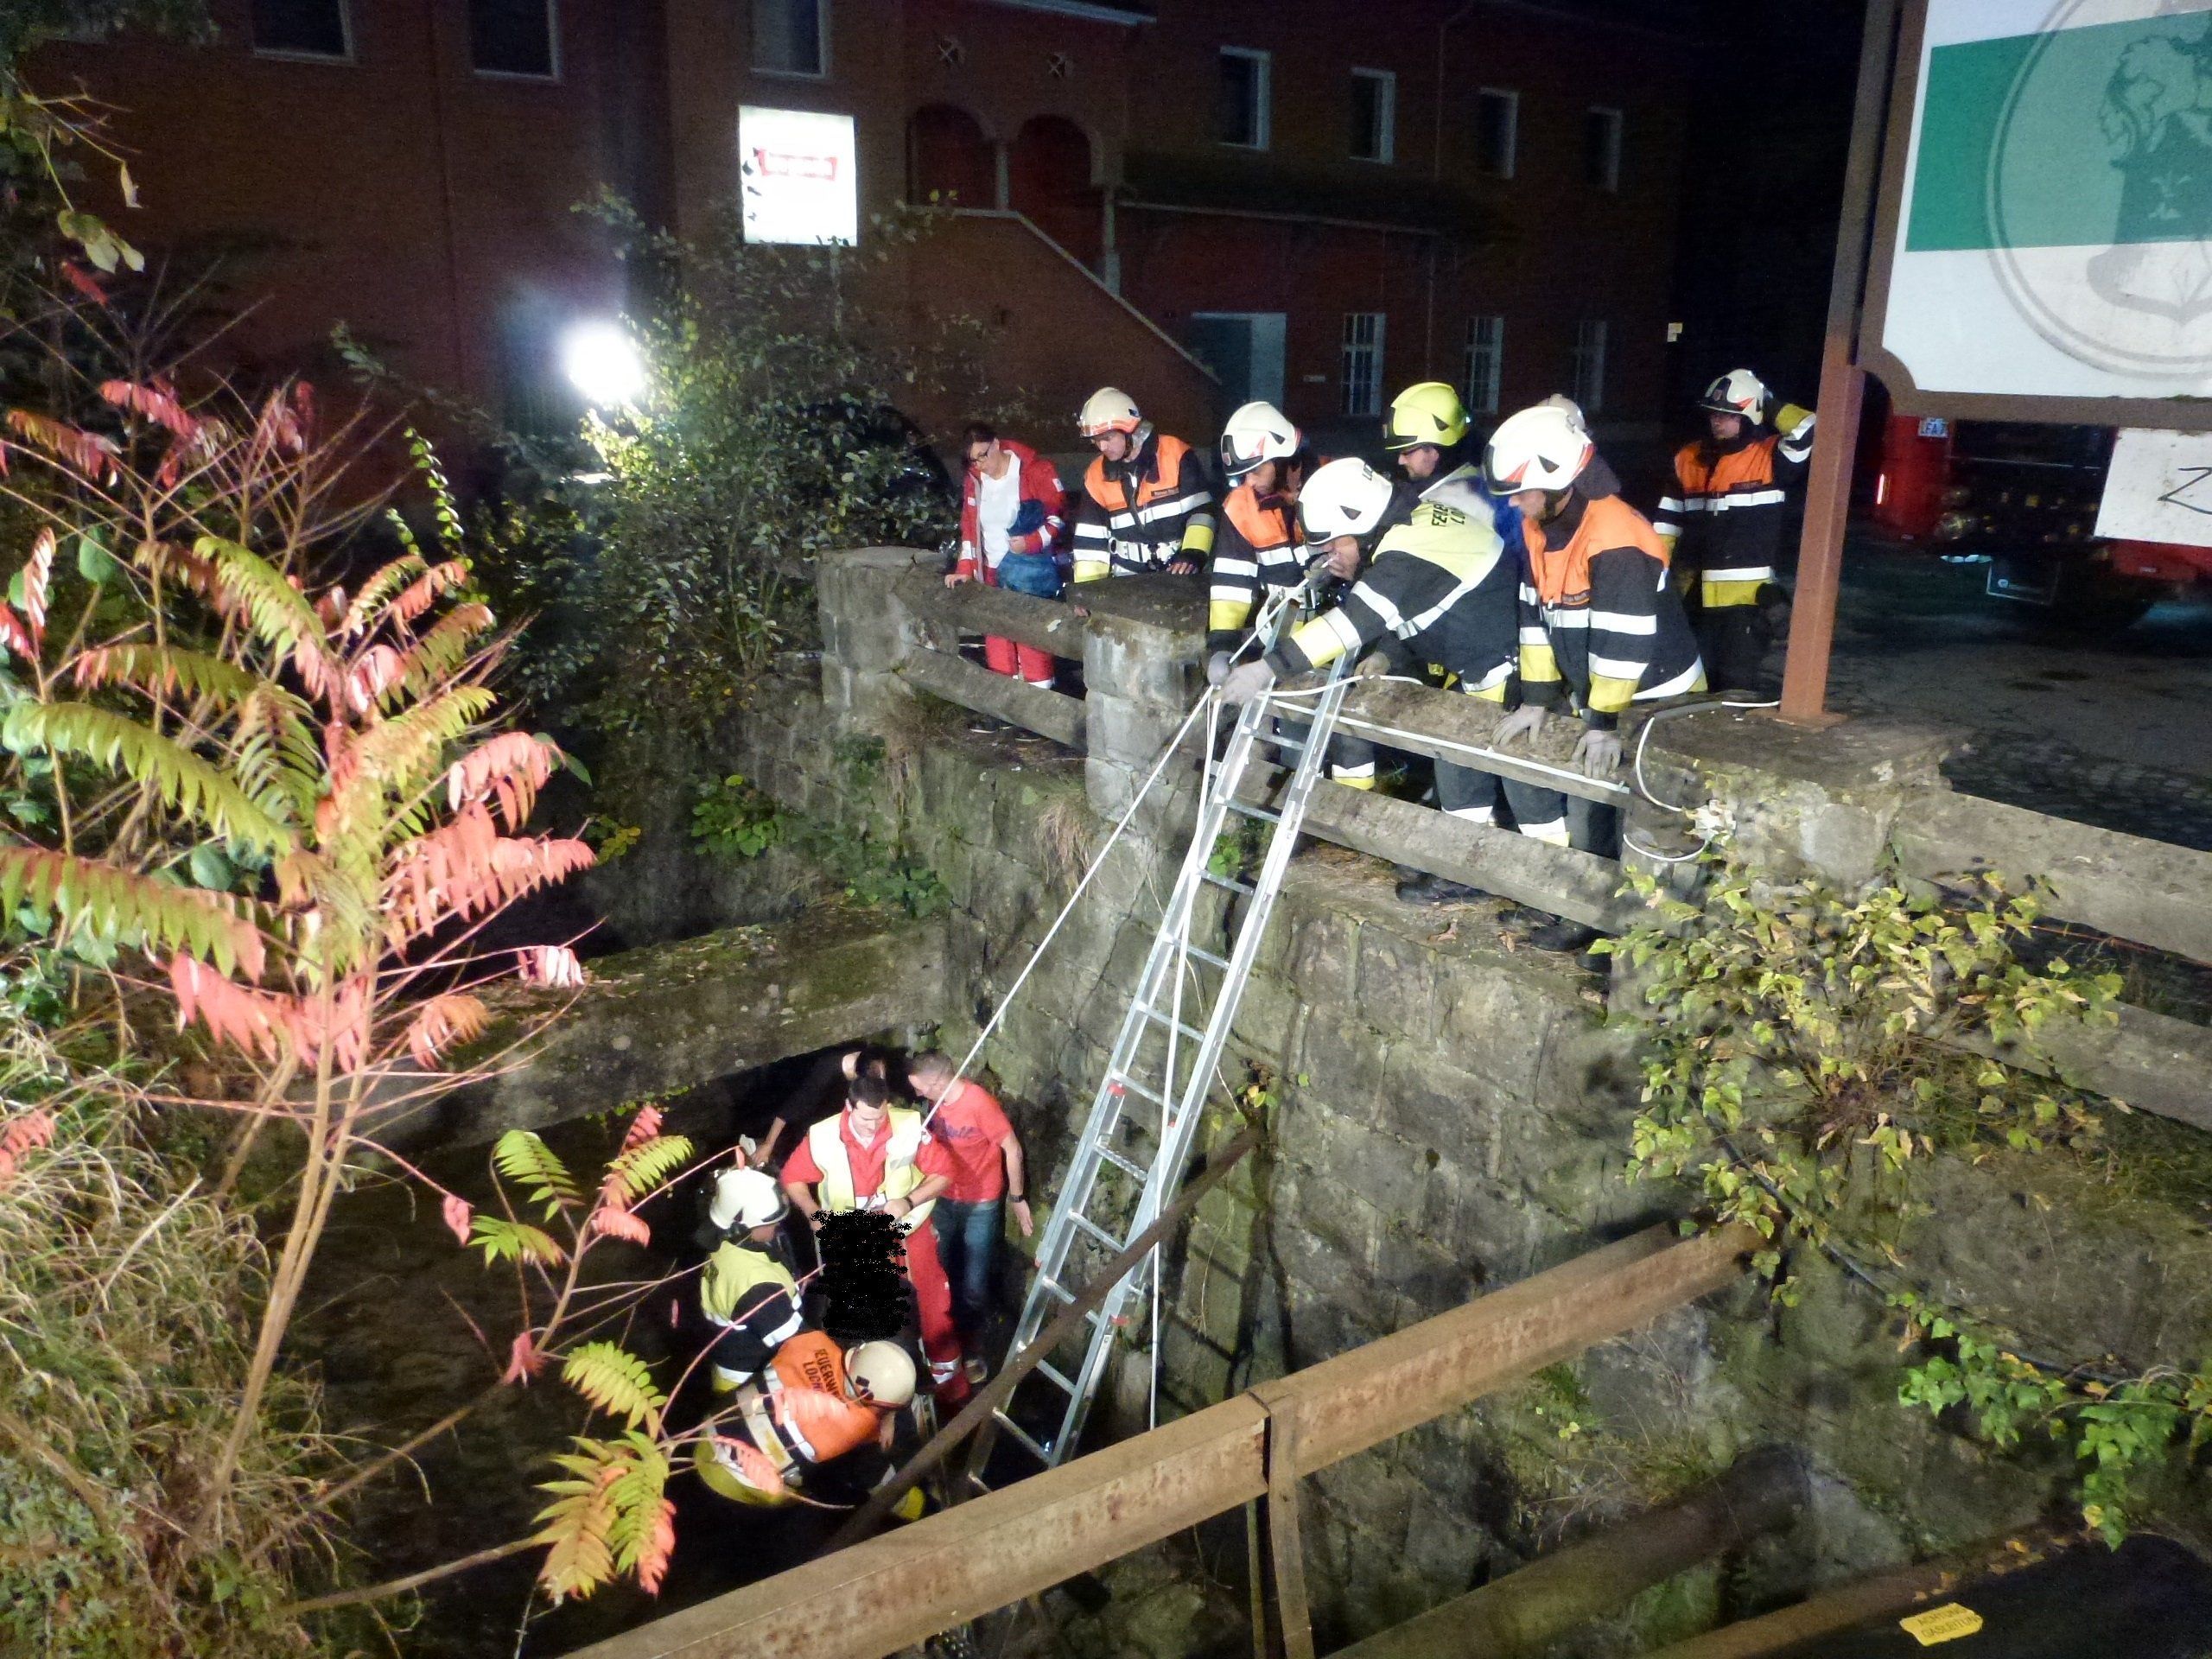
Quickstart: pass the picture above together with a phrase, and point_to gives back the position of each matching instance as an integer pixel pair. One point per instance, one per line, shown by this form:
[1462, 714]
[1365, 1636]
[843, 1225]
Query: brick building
[1203, 200]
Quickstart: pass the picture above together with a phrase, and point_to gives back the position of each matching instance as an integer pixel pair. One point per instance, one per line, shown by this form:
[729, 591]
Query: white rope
[1643, 788]
[1097, 862]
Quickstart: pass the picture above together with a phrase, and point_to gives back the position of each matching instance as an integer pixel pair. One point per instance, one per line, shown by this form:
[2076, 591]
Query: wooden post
[1827, 491]
[1287, 1536]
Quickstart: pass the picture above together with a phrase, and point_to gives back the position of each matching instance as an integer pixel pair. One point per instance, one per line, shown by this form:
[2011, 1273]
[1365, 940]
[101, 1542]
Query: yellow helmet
[1428, 413]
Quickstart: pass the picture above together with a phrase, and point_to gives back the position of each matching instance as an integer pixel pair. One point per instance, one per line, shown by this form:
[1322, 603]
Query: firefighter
[1427, 430]
[1146, 505]
[1265, 459]
[815, 1404]
[748, 1292]
[1440, 583]
[1724, 519]
[1601, 626]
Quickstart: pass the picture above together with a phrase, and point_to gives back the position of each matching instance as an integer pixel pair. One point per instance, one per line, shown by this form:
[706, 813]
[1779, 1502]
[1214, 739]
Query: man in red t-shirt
[873, 1155]
[988, 1175]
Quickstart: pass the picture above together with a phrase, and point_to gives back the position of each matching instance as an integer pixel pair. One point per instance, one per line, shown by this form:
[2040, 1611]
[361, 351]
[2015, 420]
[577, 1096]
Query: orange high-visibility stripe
[1562, 574]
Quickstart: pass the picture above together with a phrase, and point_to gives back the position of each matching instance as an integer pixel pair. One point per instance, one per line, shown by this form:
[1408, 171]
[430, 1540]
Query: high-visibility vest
[1103, 484]
[736, 1277]
[827, 1141]
[830, 1422]
[1561, 575]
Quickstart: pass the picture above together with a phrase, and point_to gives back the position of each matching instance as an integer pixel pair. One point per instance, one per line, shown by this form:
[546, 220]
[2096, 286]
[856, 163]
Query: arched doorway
[948, 154]
[1049, 179]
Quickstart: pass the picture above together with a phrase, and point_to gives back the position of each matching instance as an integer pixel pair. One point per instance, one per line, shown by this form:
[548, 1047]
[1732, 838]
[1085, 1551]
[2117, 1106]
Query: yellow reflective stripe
[1091, 569]
[1538, 662]
[1724, 595]
[1353, 783]
[1487, 693]
[1223, 614]
[1609, 695]
[1197, 534]
[1324, 639]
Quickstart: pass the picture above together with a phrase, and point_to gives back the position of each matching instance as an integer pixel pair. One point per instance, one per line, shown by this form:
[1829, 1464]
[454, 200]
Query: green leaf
[210, 868]
[94, 562]
[179, 777]
[615, 1380]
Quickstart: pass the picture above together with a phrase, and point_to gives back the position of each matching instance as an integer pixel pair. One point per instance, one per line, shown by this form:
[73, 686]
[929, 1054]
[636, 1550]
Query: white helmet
[746, 1198]
[1108, 409]
[1737, 393]
[1545, 448]
[1344, 498]
[1257, 432]
[881, 1372]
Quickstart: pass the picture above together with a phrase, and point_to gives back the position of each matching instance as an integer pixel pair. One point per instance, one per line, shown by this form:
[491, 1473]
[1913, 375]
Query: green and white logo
[2057, 235]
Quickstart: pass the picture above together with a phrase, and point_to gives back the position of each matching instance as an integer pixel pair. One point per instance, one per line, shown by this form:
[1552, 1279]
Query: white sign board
[2160, 488]
[797, 175]
[2053, 233]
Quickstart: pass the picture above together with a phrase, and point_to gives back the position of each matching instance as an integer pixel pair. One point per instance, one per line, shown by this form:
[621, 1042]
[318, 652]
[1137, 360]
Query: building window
[1374, 115]
[1590, 364]
[1363, 362]
[1485, 363]
[513, 37]
[1241, 115]
[302, 28]
[791, 37]
[1497, 132]
[1601, 149]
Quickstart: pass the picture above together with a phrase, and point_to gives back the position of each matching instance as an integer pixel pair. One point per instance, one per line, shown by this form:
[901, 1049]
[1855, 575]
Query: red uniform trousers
[1005, 656]
[933, 1299]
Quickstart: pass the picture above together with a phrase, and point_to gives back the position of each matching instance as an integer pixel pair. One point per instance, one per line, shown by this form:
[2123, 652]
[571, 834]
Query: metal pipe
[1827, 491]
[1524, 1612]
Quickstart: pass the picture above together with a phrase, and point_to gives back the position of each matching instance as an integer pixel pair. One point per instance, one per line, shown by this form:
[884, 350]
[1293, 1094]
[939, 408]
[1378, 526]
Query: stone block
[1341, 1061]
[1398, 981]
[1352, 1155]
[1425, 1278]
[1321, 958]
[1267, 1020]
[1445, 1547]
[1430, 1102]
[1495, 1022]
[1124, 729]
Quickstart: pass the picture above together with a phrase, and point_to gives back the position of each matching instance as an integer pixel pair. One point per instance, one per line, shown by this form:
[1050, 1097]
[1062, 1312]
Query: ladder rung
[1052, 1373]
[1054, 1286]
[1207, 958]
[1191, 1032]
[1085, 1223]
[1267, 813]
[1136, 1088]
[1023, 1435]
[1124, 1165]
[1231, 882]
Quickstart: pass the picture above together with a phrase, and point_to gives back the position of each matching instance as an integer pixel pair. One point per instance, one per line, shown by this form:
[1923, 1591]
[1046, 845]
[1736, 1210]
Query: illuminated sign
[797, 177]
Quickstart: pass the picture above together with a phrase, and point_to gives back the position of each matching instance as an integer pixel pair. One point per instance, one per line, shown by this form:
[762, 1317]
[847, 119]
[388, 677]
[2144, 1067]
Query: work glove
[1245, 683]
[1217, 667]
[1597, 753]
[1525, 722]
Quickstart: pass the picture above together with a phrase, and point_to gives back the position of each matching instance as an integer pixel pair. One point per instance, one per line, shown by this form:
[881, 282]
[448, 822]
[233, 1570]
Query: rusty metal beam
[893, 1590]
[1843, 384]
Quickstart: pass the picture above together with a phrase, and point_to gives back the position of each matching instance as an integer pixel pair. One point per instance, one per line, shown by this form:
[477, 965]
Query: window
[1497, 132]
[512, 37]
[1374, 115]
[1241, 113]
[1363, 362]
[1485, 363]
[791, 37]
[1590, 364]
[1601, 149]
[302, 28]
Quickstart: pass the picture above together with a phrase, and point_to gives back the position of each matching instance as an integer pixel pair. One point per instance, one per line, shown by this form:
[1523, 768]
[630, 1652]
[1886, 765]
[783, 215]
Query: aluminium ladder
[1144, 1119]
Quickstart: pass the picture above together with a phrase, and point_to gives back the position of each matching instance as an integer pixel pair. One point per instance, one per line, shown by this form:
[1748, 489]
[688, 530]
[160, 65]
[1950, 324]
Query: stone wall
[1454, 1116]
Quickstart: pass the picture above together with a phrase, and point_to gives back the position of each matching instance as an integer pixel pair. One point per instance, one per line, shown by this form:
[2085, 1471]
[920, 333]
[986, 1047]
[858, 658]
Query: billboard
[796, 177]
[2045, 222]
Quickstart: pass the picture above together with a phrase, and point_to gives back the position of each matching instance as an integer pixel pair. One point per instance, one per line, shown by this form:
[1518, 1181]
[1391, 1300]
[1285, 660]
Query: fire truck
[2022, 499]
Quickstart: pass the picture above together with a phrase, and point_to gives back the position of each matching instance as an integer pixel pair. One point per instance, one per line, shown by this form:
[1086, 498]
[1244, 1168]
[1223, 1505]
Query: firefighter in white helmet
[1440, 583]
[1601, 624]
[815, 1403]
[1724, 519]
[1144, 505]
[747, 1292]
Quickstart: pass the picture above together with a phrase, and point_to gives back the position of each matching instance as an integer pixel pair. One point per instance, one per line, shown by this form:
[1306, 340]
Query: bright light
[604, 364]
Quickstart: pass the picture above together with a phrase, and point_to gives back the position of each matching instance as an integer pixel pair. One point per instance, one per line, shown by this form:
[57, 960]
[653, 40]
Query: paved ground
[2117, 733]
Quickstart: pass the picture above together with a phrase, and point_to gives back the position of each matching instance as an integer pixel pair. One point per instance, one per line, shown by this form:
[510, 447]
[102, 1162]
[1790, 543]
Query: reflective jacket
[798, 1414]
[1140, 514]
[1039, 482]
[1601, 626]
[1728, 505]
[751, 1299]
[826, 1142]
[1258, 549]
[1443, 583]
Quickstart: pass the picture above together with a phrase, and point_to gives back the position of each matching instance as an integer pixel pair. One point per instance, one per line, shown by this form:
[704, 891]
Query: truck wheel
[2093, 605]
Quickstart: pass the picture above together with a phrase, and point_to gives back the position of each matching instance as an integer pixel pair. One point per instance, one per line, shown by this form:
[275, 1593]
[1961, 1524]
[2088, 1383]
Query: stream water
[406, 1325]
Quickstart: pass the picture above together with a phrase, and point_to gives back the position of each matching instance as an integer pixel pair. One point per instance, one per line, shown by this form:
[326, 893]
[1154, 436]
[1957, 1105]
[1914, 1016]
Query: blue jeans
[968, 1241]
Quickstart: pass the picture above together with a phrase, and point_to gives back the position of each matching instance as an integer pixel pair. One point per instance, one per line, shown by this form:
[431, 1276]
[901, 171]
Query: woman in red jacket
[1010, 532]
